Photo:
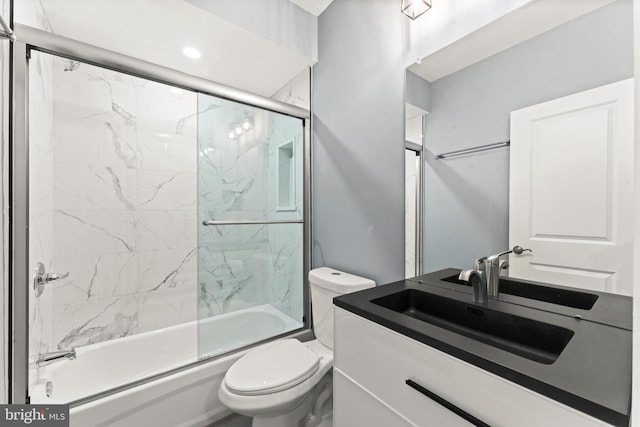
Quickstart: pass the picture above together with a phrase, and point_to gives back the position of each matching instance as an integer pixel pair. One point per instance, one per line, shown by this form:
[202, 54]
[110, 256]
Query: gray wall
[418, 91]
[466, 198]
[358, 128]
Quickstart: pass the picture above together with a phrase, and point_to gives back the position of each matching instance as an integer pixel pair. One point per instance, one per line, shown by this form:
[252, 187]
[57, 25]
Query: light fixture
[415, 8]
[246, 124]
[191, 52]
[241, 127]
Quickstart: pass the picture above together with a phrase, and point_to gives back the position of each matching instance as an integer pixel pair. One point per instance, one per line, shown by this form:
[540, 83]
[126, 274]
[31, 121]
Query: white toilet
[287, 382]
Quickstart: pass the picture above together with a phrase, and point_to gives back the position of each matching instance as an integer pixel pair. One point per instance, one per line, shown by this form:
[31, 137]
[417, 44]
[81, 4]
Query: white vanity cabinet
[383, 378]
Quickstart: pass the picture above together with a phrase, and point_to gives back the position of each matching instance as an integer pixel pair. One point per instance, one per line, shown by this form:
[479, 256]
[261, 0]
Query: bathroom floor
[233, 420]
[237, 420]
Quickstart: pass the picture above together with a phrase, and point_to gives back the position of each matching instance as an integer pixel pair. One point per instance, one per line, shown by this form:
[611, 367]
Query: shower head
[71, 65]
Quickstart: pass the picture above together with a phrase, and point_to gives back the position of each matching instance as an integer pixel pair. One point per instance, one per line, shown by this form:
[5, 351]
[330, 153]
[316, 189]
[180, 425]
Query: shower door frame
[29, 39]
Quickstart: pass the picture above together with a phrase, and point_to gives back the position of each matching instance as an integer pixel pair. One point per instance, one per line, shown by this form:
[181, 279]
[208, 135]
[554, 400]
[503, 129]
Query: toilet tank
[327, 283]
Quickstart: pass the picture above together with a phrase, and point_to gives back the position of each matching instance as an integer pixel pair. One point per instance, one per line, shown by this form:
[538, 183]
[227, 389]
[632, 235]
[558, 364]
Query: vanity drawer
[381, 361]
[354, 406]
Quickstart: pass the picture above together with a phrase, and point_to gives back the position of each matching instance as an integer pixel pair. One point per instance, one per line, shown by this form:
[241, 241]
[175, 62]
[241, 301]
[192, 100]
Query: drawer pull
[453, 408]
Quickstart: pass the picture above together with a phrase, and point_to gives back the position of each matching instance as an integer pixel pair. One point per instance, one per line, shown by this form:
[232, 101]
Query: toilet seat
[275, 367]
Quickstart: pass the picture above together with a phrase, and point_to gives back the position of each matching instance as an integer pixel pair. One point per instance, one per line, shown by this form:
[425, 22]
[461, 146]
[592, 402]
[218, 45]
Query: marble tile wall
[297, 91]
[115, 194]
[31, 13]
[41, 197]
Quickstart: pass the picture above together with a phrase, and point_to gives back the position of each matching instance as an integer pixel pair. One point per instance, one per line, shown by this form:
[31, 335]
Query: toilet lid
[274, 367]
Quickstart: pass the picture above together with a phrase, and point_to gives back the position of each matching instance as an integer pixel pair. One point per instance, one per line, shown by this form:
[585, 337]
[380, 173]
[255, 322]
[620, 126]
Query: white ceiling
[509, 30]
[158, 30]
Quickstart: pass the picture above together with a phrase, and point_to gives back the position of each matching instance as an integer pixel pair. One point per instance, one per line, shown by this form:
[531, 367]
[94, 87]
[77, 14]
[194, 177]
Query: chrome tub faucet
[45, 359]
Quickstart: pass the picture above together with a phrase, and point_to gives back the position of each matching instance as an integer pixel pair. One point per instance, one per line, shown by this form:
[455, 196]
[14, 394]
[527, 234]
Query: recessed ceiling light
[191, 52]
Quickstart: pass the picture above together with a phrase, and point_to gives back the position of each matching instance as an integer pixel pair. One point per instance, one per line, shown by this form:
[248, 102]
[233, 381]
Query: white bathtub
[186, 398]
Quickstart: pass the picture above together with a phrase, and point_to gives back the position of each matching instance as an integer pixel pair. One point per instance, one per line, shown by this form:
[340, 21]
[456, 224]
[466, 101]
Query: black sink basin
[537, 341]
[575, 299]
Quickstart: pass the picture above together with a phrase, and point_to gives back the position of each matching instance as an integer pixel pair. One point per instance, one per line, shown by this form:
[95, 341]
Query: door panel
[571, 194]
[580, 278]
[556, 141]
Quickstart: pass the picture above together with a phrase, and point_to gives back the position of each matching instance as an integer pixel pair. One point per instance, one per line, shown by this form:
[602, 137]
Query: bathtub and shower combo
[160, 228]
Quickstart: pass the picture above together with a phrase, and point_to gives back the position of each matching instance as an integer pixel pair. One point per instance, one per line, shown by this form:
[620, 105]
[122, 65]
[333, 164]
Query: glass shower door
[147, 243]
[112, 228]
[251, 225]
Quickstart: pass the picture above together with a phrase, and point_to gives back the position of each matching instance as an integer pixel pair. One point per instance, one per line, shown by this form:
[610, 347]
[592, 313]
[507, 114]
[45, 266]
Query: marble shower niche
[123, 171]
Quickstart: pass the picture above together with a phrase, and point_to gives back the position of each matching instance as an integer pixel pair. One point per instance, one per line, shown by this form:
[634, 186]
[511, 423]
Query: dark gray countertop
[609, 309]
[592, 374]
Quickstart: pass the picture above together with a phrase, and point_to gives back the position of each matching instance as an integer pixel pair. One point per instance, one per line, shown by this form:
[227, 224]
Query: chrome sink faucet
[478, 279]
[493, 267]
[485, 275]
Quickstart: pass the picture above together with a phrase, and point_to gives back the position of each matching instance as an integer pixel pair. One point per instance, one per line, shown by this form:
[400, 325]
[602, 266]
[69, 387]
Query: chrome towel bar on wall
[474, 149]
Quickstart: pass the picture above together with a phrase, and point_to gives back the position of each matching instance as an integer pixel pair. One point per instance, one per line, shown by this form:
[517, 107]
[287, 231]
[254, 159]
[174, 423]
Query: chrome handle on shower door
[41, 278]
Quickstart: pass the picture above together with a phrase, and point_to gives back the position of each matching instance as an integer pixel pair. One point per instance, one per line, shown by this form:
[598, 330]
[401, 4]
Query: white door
[571, 194]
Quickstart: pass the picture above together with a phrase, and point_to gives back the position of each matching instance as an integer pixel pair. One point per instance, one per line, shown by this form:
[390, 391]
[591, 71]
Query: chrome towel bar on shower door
[252, 222]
